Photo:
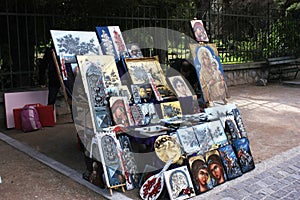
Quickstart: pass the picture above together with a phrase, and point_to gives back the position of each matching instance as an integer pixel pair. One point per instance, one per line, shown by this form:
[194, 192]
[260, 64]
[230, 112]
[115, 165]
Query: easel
[116, 186]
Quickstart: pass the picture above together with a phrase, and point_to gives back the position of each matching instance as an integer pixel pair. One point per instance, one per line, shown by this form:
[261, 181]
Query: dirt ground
[271, 115]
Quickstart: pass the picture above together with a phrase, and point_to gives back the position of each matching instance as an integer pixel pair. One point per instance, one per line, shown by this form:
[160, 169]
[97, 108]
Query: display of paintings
[179, 183]
[92, 78]
[111, 159]
[215, 167]
[121, 111]
[71, 43]
[199, 31]
[108, 68]
[200, 174]
[242, 151]
[171, 109]
[188, 140]
[204, 137]
[210, 74]
[112, 41]
[217, 133]
[138, 68]
[134, 50]
[230, 162]
[180, 87]
[129, 160]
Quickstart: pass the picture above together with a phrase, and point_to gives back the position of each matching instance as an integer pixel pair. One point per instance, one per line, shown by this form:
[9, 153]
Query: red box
[46, 115]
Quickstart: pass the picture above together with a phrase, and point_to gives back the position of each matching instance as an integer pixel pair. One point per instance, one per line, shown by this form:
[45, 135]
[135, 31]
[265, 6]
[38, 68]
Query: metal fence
[239, 38]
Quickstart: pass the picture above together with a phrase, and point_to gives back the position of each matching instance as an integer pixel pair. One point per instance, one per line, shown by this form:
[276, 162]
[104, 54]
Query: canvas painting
[199, 31]
[215, 167]
[108, 68]
[217, 133]
[200, 174]
[230, 162]
[210, 74]
[231, 128]
[138, 68]
[180, 87]
[120, 111]
[204, 137]
[179, 183]
[239, 122]
[135, 89]
[111, 159]
[171, 109]
[188, 140]
[242, 151]
[134, 50]
[138, 116]
[68, 44]
[112, 41]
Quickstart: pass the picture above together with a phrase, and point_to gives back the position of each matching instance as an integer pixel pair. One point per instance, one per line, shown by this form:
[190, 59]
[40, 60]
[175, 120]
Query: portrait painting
[188, 140]
[120, 111]
[134, 50]
[210, 74]
[215, 167]
[200, 173]
[180, 87]
[179, 183]
[230, 162]
[138, 69]
[199, 31]
[170, 109]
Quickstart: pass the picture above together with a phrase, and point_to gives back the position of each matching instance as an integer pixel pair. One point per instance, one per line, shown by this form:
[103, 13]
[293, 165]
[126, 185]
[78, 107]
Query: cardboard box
[46, 115]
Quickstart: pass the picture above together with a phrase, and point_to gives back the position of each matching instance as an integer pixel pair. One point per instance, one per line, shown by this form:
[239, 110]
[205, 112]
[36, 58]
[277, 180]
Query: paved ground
[271, 115]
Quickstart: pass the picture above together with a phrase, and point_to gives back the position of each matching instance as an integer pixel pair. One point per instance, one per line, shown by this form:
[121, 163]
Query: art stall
[146, 132]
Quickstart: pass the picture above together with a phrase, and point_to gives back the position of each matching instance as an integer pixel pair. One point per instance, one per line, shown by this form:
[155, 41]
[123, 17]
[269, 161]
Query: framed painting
[230, 162]
[120, 111]
[210, 73]
[179, 183]
[215, 167]
[188, 140]
[112, 41]
[138, 68]
[200, 174]
[217, 133]
[242, 150]
[204, 138]
[170, 109]
[180, 87]
[199, 31]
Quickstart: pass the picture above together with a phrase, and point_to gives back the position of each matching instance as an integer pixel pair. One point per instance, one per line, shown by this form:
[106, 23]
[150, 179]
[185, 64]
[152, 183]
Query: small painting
[180, 87]
[217, 133]
[199, 31]
[134, 50]
[179, 183]
[171, 109]
[215, 167]
[242, 151]
[121, 111]
[230, 162]
[200, 174]
[204, 138]
[188, 140]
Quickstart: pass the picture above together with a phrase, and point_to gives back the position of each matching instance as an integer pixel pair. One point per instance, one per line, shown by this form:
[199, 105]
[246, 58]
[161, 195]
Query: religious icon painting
[215, 167]
[171, 109]
[108, 68]
[200, 174]
[180, 87]
[239, 122]
[111, 159]
[231, 128]
[137, 114]
[179, 183]
[138, 69]
[204, 138]
[210, 74]
[199, 31]
[130, 167]
[217, 133]
[136, 94]
[120, 111]
[118, 41]
[230, 162]
[242, 151]
[134, 50]
[188, 140]
[92, 78]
